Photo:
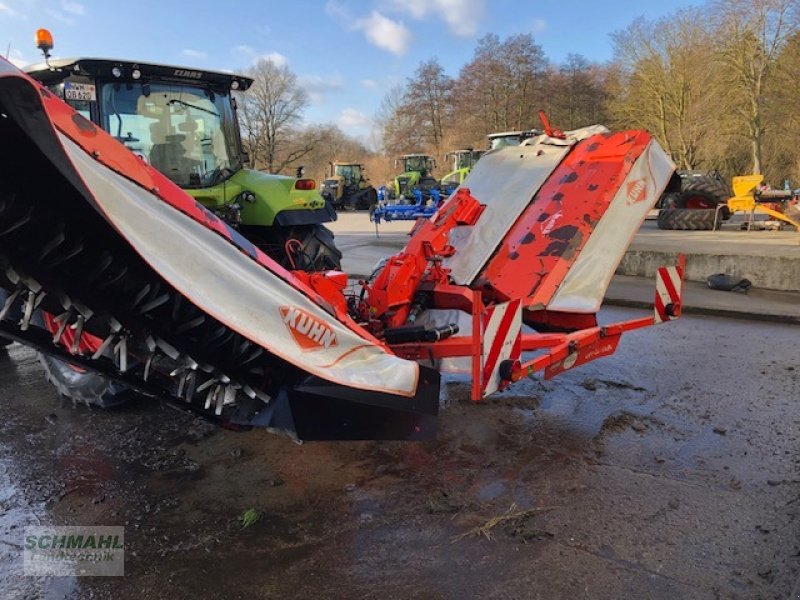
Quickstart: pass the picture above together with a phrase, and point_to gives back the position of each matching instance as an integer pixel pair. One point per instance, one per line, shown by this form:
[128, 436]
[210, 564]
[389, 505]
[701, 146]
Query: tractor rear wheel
[367, 199]
[702, 193]
[688, 219]
[298, 247]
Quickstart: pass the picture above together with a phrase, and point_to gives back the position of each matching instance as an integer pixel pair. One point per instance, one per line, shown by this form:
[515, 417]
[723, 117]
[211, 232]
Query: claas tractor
[462, 162]
[417, 171]
[183, 122]
[347, 187]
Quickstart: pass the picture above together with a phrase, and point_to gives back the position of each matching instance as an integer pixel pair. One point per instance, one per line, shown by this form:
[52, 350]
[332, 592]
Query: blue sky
[347, 53]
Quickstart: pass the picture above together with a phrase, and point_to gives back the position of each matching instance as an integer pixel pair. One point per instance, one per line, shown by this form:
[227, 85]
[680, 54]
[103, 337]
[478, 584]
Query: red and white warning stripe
[669, 284]
[502, 326]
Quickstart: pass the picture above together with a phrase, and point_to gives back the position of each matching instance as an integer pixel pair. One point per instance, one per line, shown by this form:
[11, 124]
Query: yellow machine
[747, 197]
[348, 188]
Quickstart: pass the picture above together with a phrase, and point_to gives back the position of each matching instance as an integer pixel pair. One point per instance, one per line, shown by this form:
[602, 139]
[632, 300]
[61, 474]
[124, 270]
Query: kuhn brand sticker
[637, 191]
[308, 331]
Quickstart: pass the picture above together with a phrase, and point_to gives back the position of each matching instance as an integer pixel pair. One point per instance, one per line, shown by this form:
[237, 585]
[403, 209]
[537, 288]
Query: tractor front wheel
[84, 387]
[688, 219]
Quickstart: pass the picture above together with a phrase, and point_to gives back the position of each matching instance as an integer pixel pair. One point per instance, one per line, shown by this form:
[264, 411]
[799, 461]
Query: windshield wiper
[194, 106]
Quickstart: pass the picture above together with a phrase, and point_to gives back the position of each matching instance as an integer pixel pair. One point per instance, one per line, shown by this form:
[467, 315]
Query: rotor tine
[104, 346]
[210, 396]
[181, 383]
[192, 384]
[147, 365]
[206, 384]
[39, 299]
[9, 303]
[168, 349]
[256, 393]
[63, 321]
[76, 342]
[225, 397]
[121, 350]
[27, 311]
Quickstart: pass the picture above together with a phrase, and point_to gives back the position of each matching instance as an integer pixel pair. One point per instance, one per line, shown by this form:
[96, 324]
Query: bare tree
[576, 94]
[400, 133]
[662, 81]
[503, 86]
[427, 103]
[751, 35]
[270, 111]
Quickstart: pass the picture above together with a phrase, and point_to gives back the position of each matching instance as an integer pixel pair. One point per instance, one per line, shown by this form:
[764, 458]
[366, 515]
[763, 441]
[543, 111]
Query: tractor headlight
[116, 72]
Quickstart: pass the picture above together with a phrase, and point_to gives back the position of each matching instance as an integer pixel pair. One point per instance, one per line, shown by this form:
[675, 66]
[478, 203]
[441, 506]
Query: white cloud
[350, 119]
[5, 9]
[73, 7]
[370, 84]
[462, 16]
[538, 26]
[385, 33]
[278, 59]
[193, 53]
[253, 56]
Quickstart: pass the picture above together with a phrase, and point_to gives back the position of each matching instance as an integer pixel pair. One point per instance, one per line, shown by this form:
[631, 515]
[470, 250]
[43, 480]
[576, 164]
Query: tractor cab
[462, 162]
[510, 138]
[350, 173]
[417, 170]
[183, 122]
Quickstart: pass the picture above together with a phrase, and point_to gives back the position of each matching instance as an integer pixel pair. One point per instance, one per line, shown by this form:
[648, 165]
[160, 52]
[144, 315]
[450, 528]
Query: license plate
[80, 91]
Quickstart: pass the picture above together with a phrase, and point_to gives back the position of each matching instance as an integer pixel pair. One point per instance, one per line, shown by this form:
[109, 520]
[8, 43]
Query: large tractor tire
[298, 247]
[79, 385]
[84, 387]
[702, 193]
[688, 219]
[367, 199]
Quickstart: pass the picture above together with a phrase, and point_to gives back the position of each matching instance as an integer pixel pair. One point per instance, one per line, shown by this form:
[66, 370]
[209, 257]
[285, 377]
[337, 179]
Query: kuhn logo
[637, 191]
[307, 330]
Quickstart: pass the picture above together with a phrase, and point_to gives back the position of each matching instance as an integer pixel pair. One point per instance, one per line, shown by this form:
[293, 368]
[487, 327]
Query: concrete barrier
[766, 272]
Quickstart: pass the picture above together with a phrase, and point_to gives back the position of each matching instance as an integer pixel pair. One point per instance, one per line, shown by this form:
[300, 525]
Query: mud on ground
[667, 471]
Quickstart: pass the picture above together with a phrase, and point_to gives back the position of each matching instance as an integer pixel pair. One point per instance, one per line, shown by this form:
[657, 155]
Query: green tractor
[183, 123]
[347, 187]
[462, 163]
[417, 172]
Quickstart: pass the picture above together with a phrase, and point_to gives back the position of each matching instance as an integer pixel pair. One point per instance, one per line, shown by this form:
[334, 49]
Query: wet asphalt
[669, 470]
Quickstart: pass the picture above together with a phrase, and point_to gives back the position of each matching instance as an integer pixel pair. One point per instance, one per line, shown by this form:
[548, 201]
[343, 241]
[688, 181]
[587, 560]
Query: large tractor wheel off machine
[183, 123]
[698, 204]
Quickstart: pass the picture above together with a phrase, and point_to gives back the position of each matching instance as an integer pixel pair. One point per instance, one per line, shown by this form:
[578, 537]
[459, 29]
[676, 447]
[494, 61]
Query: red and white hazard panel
[502, 326]
[669, 285]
